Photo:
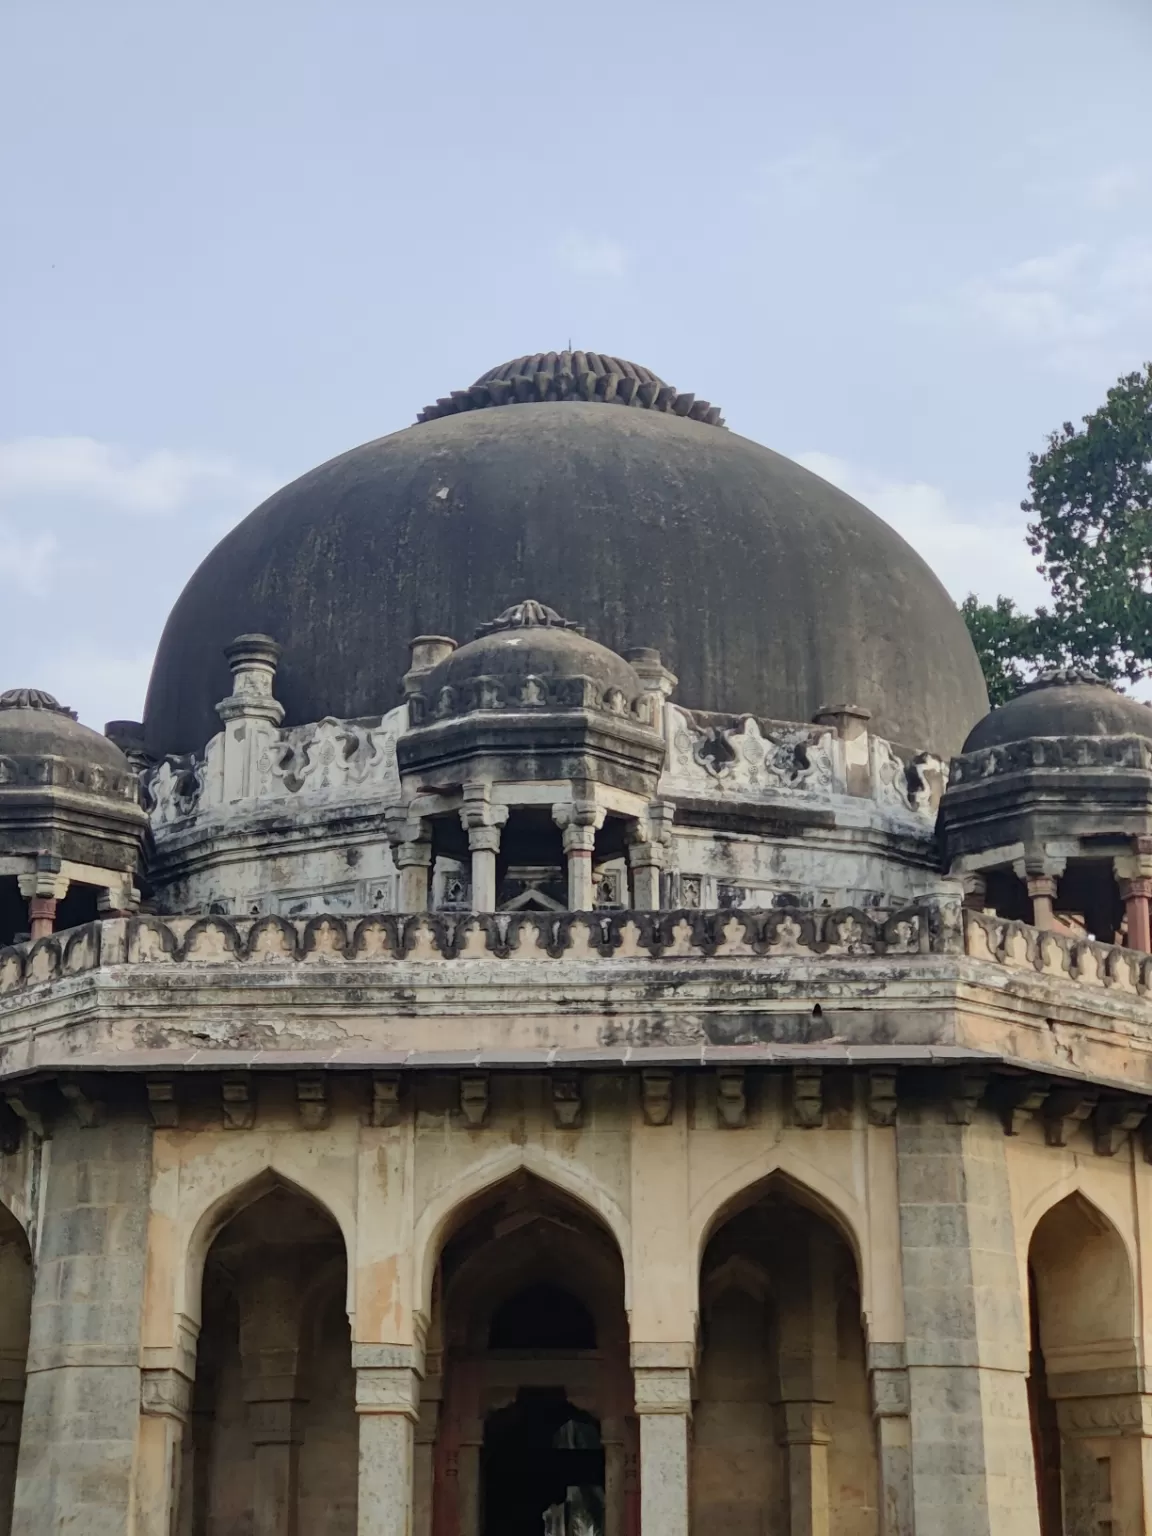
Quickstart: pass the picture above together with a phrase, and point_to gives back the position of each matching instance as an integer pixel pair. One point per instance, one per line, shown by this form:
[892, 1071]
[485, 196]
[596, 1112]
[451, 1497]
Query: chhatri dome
[587, 481]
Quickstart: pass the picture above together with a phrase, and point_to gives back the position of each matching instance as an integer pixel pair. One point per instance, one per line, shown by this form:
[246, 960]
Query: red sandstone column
[1136, 895]
[1042, 889]
[42, 916]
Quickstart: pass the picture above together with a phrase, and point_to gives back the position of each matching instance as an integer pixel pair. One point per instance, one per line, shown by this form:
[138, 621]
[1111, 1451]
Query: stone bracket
[656, 1095]
[312, 1101]
[163, 1104]
[386, 1110]
[238, 1103]
[1112, 1123]
[882, 1102]
[808, 1097]
[1065, 1110]
[567, 1100]
[474, 1098]
[731, 1098]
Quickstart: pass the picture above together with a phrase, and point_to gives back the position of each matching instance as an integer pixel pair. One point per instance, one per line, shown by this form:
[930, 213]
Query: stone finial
[847, 720]
[253, 659]
[530, 614]
[648, 667]
[1064, 677]
[588, 377]
[427, 651]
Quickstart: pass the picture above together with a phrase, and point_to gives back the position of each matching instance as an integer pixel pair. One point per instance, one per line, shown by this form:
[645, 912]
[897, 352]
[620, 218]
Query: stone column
[165, 1404]
[82, 1404]
[663, 1383]
[42, 890]
[483, 822]
[967, 1344]
[806, 1355]
[270, 1324]
[648, 848]
[412, 856]
[579, 822]
[1040, 874]
[1135, 895]
[387, 1402]
[888, 1377]
[615, 1457]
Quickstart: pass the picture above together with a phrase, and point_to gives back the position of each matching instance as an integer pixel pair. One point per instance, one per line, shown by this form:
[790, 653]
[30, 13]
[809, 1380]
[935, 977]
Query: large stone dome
[767, 590]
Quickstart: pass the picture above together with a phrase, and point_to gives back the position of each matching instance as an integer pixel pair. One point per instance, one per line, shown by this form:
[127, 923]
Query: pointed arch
[1085, 1286]
[805, 1184]
[436, 1219]
[204, 1223]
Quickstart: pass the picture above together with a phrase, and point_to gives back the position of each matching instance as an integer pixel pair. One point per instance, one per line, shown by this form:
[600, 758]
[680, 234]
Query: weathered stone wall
[82, 1408]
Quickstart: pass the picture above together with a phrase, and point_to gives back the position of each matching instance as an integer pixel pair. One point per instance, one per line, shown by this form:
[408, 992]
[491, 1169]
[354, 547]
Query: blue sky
[900, 242]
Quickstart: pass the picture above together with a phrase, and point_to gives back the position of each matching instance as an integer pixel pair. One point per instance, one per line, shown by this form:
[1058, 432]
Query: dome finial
[529, 614]
[588, 377]
[35, 698]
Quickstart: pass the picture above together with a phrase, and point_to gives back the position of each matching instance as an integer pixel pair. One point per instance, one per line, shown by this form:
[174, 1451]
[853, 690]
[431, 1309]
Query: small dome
[530, 658]
[1065, 701]
[34, 724]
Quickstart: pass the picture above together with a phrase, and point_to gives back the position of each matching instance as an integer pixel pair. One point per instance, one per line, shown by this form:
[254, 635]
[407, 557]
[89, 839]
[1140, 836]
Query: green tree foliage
[1007, 643]
[1091, 509]
[1091, 503]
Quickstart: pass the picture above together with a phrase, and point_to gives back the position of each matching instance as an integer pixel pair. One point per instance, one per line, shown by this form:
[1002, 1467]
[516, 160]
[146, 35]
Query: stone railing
[1021, 947]
[1052, 752]
[272, 940]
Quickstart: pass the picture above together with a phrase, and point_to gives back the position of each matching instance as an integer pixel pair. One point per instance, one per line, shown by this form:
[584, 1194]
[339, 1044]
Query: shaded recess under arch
[273, 1422]
[1083, 1372]
[782, 1421]
[530, 1337]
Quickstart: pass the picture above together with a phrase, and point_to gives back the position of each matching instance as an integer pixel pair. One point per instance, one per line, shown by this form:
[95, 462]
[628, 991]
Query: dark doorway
[543, 1469]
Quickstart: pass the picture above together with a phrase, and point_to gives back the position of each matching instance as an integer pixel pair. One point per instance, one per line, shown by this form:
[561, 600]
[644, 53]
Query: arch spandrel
[202, 1222]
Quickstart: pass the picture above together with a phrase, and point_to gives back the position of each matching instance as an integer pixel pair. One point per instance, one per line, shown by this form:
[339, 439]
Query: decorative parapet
[325, 760]
[745, 758]
[848, 933]
[1020, 947]
[1131, 752]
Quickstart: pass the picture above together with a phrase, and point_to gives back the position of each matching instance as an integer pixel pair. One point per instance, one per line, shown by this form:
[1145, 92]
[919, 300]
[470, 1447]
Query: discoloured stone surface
[83, 1397]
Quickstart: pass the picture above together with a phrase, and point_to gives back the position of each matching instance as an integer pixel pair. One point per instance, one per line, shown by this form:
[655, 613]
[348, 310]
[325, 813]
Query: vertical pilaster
[967, 1346]
[165, 1404]
[387, 1402]
[663, 1384]
[82, 1405]
[888, 1379]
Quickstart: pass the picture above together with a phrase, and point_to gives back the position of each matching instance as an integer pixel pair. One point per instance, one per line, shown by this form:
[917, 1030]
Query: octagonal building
[570, 1017]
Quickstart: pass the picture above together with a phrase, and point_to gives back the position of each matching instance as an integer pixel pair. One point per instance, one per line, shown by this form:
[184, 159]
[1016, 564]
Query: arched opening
[15, 1311]
[272, 1443]
[783, 1434]
[536, 1426]
[1082, 1373]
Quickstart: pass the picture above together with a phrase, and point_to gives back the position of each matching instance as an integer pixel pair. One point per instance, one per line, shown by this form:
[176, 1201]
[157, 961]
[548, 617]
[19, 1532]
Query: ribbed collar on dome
[583, 376]
[34, 698]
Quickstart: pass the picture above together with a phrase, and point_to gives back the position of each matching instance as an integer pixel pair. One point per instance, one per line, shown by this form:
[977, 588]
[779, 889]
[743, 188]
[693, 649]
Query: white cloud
[822, 172]
[1078, 305]
[592, 255]
[1114, 188]
[977, 549]
[155, 483]
[25, 562]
